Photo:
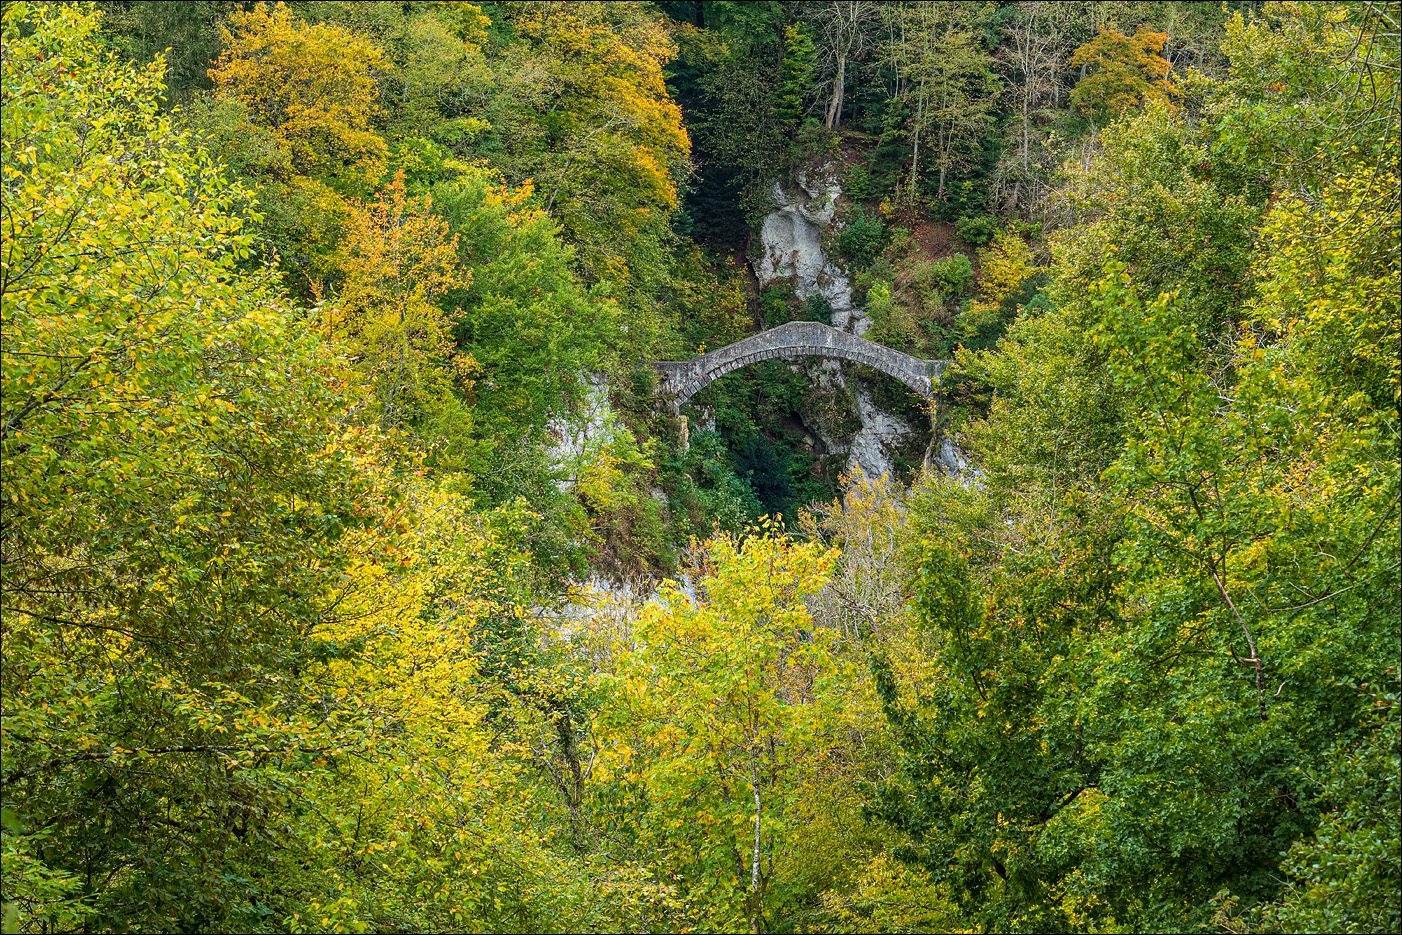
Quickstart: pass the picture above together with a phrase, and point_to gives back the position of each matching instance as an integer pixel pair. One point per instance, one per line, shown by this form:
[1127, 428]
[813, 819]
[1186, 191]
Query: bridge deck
[682, 379]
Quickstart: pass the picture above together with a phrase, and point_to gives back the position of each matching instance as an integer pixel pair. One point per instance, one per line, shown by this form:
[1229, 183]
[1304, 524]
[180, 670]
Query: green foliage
[600, 136]
[1307, 89]
[1346, 871]
[737, 124]
[900, 241]
[948, 91]
[952, 275]
[892, 324]
[187, 429]
[935, 282]
[725, 499]
[1148, 203]
[1169, 571]
[1341, 878]
[769, 454]
[710, 301]
[860, 185]
[978, 231]
[1052, 395]
[797, 75]
[816, 308]
[774, 305]
[531, 330]
[915, 310]
[863, 239]
[187, 32]
[440, 73]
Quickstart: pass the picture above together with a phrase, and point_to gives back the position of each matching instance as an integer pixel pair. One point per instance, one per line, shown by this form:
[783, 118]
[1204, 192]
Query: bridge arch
[682, 379]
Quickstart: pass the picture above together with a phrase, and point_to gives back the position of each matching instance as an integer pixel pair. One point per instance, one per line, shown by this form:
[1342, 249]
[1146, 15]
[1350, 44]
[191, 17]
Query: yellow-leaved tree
[178, 479]
[399, 260]
[594, 124]
[1121, 72]
[291, 114]
[314, 85]
[732, 708]
[434, 822]
[1005, 268]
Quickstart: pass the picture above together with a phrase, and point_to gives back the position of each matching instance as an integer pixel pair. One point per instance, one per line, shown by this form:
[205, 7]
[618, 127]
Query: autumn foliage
[314, 86]
[1121, 72]
[355, 578]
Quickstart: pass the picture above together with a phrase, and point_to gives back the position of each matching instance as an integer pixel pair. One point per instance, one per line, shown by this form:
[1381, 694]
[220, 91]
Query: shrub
[954, 273]
[774, 305]
[644, 382]
[892, 323]
[933, 304]
[1029, 230]
[964, 198]
[860, 185]
[861, 285]
[879, 302]
[862, 239]
[817, 308]
[978, 231]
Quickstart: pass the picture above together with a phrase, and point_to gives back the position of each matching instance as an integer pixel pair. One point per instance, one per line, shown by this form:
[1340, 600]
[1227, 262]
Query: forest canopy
[355, 577]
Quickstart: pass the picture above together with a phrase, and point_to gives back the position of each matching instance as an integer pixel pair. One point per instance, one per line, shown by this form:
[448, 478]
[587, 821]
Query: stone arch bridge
[679, 380]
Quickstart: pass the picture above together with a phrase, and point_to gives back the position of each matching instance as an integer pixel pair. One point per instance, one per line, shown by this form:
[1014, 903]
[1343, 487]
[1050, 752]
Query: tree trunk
[754, 864]
[944, 139]
[915, 150]
[914, 163]
[1026, 133]
[838, 83]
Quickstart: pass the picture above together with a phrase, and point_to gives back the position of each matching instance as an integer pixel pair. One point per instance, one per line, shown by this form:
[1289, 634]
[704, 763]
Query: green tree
[733, 116]
[1179, 218]
[846, 25]
[1309, 86]
[177, 480]
[1151, 619]
[948, 85]
[727, 727]
[187, 32]
[1340, 879]
[532, 330]
[797, 71]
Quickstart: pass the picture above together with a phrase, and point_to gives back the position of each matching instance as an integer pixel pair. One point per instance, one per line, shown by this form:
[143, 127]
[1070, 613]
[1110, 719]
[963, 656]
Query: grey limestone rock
[951, 461]
[870, 448]
[791, 248]
[791, 243]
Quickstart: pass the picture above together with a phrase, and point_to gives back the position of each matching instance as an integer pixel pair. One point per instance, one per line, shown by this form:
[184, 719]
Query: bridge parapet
[682, 379]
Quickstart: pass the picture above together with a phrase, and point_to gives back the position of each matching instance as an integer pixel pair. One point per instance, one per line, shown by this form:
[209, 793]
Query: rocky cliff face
[791, 242]
[791, 250]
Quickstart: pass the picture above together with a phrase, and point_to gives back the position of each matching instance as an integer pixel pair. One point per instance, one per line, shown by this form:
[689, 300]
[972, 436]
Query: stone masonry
[682, 379]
